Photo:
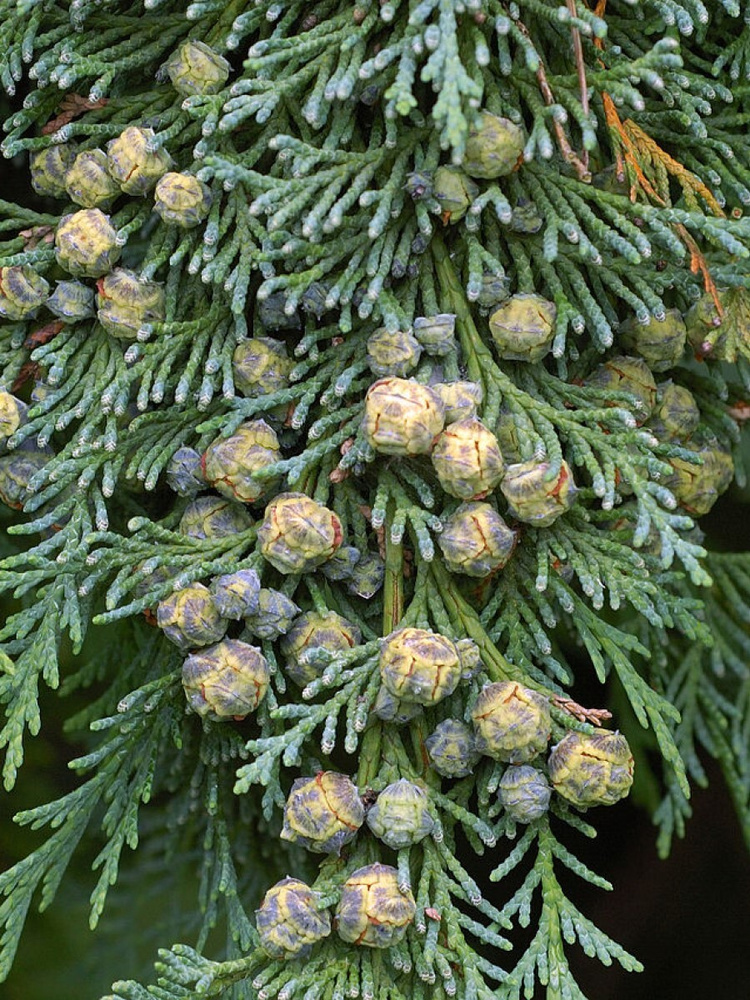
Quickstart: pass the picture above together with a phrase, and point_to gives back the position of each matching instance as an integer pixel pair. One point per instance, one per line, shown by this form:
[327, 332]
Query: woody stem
[393, 610]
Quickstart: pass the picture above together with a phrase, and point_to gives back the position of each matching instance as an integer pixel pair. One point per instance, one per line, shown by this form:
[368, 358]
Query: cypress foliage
[361, 363]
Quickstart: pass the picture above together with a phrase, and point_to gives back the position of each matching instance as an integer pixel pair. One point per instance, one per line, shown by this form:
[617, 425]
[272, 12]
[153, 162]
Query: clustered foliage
[358, 361]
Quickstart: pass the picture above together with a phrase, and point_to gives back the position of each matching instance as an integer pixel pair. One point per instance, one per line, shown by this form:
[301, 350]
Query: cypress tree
[367, 370]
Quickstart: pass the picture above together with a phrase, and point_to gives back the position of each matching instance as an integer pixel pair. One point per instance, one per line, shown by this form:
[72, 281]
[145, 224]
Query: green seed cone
[373, 910]
[512, 722]
[289, 920]
[420, 666]
[225, 681]
[591, 770]
[323, 813]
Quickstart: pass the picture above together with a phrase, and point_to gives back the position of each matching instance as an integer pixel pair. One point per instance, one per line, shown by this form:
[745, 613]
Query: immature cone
[402, 417]
[676, 415]
[132, 164]
[182, 200]
[323, 813]
[711, 334]
[274, 616]
[419, 665]
[475, 540]
[16, 470]
[225, 681]
[373, 910]
[460, 399]
[591, 770]
[523, 327]
[631, 375]
[494, 289]
[389, 708]
[151, 578]
[470, 657]
[454, 192]
[661, 343]
[436, 334]
[341, 564]
[86, 243]
[194, 68]
[314, 298]
[22, 291]
[12, 415]
[467, 459]
[526, 218]
[452, 749]
[236, 594]
[40, 391]
[524, 793]
[367, 577]
[189, 617]
[493, 148]
[535, 499]
[401, 816]
[394, 352]
[313, 631]
[71, 301]
[261, 366]
[213, 517]
[419, 184]
[289, 920]
[695, 487]
[126, 302]
[273, 314]
[89, 182]
[512, 722]
[48, 168]
[230, 464]
[297, 534]
[184, 474]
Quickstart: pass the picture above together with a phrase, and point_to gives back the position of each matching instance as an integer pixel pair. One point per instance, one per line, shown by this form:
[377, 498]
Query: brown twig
[43, 335]
[593, 715]
[37, 234]
[569, 154]
[581, 68]
[633, 144]
[28, 370]
[699, 265]
[71, 107]
[339, 475]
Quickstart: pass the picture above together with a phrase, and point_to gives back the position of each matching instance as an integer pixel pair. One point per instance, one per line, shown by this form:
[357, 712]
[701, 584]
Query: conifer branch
[365, 375]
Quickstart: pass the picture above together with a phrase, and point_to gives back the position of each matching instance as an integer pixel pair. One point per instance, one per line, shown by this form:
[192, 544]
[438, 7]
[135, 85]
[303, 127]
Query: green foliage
[319, 226]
